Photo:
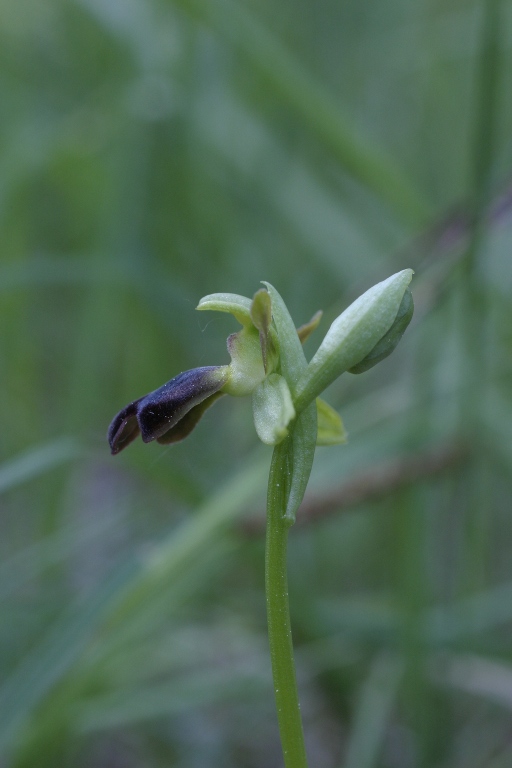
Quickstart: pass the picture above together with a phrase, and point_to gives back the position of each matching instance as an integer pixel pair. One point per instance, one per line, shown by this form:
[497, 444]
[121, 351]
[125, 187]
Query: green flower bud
[353, 336]
[388, 342]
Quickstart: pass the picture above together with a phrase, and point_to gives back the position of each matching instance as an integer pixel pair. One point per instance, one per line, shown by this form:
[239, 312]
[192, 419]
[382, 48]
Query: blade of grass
[373, 711]
[31, 561]
[120, 598]
[52, 658]
[186, 543]
[313, 104]
[37, 461]
[205, 688]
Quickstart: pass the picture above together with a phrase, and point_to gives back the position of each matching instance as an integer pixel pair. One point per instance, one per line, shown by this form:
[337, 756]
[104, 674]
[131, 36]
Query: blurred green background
[152, 152]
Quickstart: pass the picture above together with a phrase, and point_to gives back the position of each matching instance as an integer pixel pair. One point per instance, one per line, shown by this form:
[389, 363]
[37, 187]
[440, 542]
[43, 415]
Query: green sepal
[236, 305]
[299, 446]
[388, 342]
[292, 358]
[305, 331]
[273, 409]
[330, 426]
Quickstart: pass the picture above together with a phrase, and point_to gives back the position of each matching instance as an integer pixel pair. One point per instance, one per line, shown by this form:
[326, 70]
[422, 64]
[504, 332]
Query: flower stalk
[278, 612]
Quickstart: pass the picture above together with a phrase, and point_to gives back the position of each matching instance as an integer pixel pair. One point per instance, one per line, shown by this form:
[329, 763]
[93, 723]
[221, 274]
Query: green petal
[330, 426]
[261, 315]
[261, 310]
[305, 331]
[273, 409]
[236, 305]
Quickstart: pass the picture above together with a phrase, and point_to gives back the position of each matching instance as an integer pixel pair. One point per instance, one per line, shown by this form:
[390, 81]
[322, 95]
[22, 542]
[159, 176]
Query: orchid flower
[172, 411]
[267, 363]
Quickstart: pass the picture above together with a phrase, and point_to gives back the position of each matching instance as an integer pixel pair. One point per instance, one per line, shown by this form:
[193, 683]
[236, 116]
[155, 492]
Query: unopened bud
[353, 336]
[388, 342]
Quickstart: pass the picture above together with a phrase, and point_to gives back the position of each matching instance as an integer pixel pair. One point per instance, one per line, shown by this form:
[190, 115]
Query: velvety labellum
[159, 412]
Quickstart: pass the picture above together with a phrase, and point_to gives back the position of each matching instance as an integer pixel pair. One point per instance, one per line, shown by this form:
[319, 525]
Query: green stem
[278, 612]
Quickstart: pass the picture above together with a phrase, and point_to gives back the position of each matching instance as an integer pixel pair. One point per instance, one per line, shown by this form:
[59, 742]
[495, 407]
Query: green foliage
[154, 152]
